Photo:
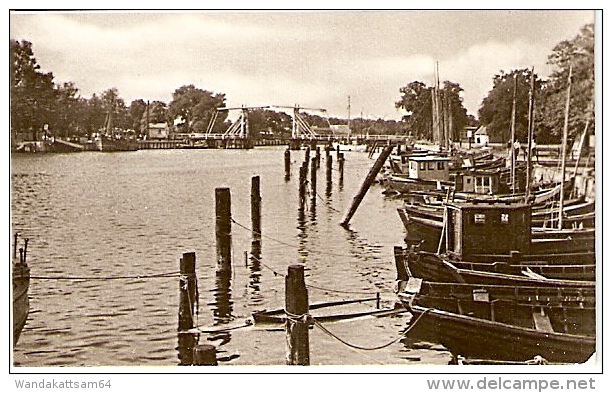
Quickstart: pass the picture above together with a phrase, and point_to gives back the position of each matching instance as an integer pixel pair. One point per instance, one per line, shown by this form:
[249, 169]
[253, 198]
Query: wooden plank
[542, 322]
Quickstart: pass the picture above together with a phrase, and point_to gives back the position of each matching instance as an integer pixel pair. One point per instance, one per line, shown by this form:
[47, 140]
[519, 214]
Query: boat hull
[21, 302]
[110, 145]
[478, 338]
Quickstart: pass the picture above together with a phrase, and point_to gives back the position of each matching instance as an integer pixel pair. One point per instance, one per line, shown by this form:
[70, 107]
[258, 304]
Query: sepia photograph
[352, 191]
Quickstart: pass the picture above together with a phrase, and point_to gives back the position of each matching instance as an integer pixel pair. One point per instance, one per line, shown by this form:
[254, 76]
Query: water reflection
[302, 235]
[255, 296]
[222, 307]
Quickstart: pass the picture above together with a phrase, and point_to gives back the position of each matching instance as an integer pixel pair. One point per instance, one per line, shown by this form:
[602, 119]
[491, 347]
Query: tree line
[495, 111]
[38, 103]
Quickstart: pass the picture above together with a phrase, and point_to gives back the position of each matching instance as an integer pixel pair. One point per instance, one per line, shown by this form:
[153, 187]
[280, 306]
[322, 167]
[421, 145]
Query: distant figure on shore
[534, 151]
[517, 148]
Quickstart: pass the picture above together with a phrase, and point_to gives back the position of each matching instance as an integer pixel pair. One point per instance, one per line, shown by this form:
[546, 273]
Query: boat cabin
[492, 228]
[428, 167]
[480, 182]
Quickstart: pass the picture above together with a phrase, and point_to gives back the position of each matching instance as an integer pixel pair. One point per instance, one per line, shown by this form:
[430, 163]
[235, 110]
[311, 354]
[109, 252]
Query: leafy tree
[32, 92]
[196, 107]
[496, 108]
[417, 100]
[137, 110]
[158, 112]
[93, 114]
[67, 110]
[458, 113]
[550, 114]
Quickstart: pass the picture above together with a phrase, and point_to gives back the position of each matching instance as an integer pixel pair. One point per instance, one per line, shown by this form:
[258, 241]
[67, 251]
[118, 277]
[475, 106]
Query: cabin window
[423, 166]
[413, 165]
[468, 180]
[441, 165]
[505, 218]
[485, 181]
[431, 166]
[479, 218]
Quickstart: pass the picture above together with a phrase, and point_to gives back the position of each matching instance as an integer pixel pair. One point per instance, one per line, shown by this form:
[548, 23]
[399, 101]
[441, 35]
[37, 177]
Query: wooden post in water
[313, 178]
[302, 187]
[223, 228]
[378, 164]
[318, 156]
[341, 167]
[296, 324]
[328, 172]
[307, 154]
[204, 355]
[255, 208]
[338, 151]
[287, 164]
[187, 291]
[400, 267]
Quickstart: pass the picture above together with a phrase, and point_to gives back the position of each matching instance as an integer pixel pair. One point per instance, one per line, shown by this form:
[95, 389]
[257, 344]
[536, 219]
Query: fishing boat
[487, 229]
[111, 143]
[503, 323]
[425, 172]
[109, 140]
[434, 267]
[21, 285]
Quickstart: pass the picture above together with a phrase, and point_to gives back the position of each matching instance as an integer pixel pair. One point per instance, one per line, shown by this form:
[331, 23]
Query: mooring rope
[137, 277]
[320, 197]
[308, 285]
[288, 244]
[402, 334]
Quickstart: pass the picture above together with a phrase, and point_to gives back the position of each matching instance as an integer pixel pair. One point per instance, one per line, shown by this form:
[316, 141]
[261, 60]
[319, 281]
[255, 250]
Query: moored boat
[503, 323]
[488, 224]
[21, 285]
[109, 143]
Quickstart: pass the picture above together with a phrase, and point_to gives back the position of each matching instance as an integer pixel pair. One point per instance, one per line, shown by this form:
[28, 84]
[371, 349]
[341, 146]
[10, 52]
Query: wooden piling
[16, 236]
[255, 207]
[328, 172]
[338, 151]
[318, 156]
[204, 355]
[223, 228]
[400, 266]
[307, 154]
[313, 178]
[187, 291]
[296, 325]
[341, 167]
[366, 184]
[287, 164]
[302, 187]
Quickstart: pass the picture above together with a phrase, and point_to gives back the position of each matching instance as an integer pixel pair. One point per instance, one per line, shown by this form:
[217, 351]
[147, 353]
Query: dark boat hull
[21, 302]
[110, 145]
[477, 338]
[431, 267]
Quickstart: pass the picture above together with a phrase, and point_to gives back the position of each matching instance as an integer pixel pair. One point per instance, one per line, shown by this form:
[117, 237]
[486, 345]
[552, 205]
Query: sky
[314, 59]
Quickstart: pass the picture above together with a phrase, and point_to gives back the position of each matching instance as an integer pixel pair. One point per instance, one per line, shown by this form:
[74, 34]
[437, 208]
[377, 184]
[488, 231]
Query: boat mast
[348, 122]
[529, 139]
[564, 145]
[512, 136]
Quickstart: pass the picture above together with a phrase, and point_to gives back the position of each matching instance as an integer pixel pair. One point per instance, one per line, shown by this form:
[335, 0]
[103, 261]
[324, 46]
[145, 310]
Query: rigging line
[314, 286]
[337, 291]
[161, 275]
[288, 244]
[402, 335]
[334, 209]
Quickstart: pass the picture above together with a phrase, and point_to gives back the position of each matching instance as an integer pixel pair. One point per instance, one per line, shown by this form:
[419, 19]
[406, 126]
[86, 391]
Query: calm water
[113, 215]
